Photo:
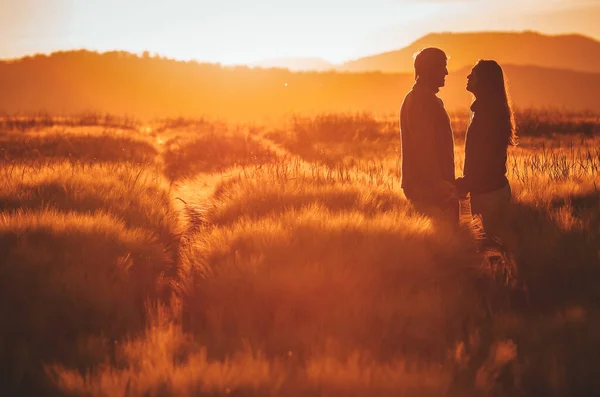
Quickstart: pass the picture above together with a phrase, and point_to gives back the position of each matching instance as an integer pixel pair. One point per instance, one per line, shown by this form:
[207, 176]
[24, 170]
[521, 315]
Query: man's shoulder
[422, 98]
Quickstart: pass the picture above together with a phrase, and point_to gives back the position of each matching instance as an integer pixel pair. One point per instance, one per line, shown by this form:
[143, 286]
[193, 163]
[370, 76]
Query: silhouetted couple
[428, 170]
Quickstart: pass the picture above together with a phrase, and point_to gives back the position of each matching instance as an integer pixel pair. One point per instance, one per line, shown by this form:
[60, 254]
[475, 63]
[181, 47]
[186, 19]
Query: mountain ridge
[566, 51]
[147, 87]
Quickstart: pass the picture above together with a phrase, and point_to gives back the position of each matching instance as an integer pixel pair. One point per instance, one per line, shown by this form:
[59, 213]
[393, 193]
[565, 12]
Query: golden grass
[89, 146]
[297, 281]
[293, 278]
[83, 246]
[330, 138]
[270, 190]
[167, 361]
[204, 148]
[138, 195]
[43, 121]
[67, 275]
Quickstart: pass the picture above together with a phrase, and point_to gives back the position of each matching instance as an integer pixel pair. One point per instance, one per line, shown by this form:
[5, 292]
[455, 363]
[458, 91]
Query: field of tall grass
[197, 258]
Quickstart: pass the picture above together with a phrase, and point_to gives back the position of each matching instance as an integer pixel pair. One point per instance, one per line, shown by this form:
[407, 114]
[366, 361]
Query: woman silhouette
[491, 131]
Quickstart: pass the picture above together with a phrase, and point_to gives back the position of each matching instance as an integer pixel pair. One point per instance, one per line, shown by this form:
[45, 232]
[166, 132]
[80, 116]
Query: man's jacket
[427, 144]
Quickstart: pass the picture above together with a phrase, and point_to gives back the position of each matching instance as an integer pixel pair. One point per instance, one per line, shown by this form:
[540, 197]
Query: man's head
[430, 67]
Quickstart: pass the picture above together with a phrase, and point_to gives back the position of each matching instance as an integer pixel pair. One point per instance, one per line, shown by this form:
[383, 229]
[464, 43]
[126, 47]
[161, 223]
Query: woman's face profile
[472, 81]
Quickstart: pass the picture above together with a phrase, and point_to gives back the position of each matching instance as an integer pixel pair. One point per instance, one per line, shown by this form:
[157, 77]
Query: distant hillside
[572, 52]
[296, 64]
[122, 83]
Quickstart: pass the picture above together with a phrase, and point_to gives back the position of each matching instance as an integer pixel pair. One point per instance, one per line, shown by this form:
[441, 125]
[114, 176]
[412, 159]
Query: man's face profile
[431, 67]
[438, 72]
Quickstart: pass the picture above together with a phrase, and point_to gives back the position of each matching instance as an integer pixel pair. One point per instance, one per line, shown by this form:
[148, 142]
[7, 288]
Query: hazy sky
[239, 31]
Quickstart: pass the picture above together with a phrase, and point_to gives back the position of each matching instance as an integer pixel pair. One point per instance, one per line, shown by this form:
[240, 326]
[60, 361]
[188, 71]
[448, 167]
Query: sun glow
[235, 31]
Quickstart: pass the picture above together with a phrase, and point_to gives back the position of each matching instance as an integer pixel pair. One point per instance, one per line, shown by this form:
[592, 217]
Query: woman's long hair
[492, 88]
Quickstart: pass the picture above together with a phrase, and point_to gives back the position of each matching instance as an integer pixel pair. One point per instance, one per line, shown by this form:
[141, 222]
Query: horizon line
[154, 54]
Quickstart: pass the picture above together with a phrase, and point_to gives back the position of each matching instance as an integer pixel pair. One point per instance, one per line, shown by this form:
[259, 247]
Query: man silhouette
[427, 140]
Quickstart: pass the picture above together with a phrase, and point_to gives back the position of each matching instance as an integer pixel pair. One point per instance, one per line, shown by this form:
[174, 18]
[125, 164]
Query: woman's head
[486, 79]
[487, 83]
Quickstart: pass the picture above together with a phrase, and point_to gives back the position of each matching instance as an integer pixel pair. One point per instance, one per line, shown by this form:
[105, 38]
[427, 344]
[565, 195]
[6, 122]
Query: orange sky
[245, 31]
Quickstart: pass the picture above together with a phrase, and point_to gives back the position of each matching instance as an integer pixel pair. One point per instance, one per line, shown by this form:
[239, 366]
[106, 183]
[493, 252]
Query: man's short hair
[427, 57]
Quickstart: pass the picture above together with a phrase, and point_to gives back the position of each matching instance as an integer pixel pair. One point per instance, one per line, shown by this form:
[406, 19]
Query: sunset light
[299, 198]
[239, 31]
